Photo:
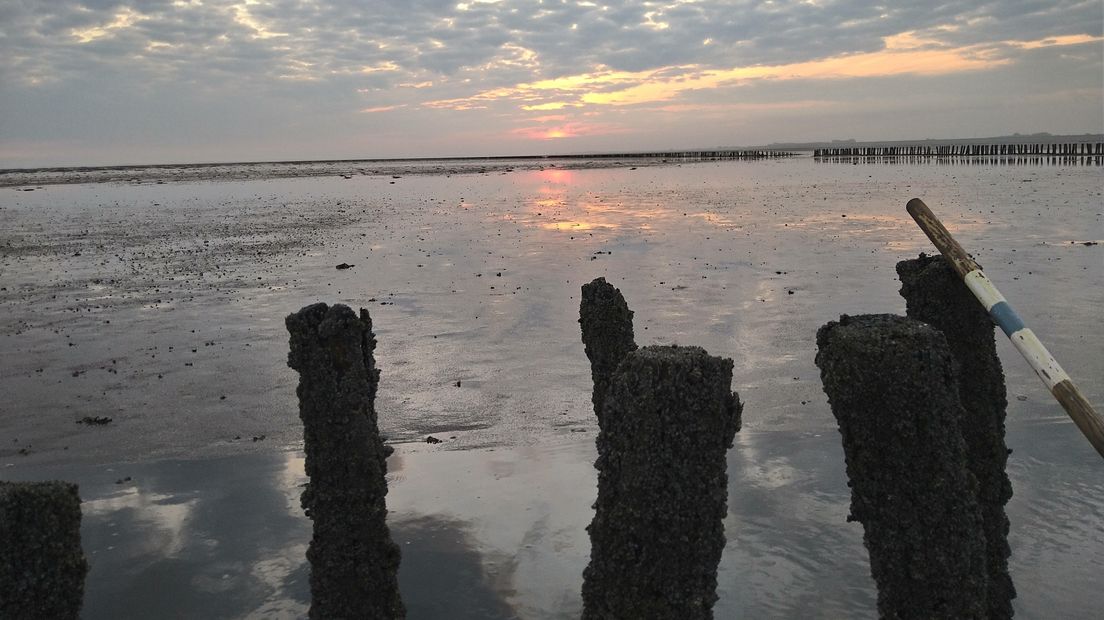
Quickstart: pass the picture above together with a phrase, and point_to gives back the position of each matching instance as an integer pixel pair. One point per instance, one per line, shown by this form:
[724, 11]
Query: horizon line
[642, 153]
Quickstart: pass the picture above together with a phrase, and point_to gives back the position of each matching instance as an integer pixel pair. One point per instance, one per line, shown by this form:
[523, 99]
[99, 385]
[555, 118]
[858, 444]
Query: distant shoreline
[30, 178]
[1040, 138]
[690, 154]
[347, 168]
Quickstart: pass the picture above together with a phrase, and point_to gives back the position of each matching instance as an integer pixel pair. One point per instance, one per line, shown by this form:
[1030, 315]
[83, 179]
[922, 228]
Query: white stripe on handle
[1025, 340]
[1037, 356]
[982, 288]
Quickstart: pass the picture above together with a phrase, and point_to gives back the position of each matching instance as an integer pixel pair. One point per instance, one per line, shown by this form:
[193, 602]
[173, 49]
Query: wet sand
[150, 303]
[30, 179]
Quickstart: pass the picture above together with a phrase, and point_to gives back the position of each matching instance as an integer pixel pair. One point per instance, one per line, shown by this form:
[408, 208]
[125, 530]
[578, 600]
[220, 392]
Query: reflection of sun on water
[716, 219]
[852, 223]
[901, 231]
[557, 176]
[571, 226]
[556, 204]
[548, 203]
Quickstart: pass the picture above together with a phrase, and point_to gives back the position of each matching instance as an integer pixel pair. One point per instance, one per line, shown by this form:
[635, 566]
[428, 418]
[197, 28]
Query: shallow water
[177, 296]
[500, 533]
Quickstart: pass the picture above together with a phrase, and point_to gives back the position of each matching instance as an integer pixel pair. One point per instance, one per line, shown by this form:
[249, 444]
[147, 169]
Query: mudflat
[161, 307]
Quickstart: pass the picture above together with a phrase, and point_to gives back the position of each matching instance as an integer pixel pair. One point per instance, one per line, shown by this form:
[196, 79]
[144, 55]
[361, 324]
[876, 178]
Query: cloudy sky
[157, 81]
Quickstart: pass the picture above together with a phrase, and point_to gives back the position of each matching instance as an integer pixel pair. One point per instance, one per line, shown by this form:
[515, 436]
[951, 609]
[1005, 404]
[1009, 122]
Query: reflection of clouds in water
[1056, 512]
[227, 539]
[163, 516]
[513, 541]
[854, 224]
[444, 574]
[525, 510]
[773, 473]
[291, 478]
[764, 292]
[895, 231]
[279, 574]
[756, 333]
[229, 554]
[789, 548]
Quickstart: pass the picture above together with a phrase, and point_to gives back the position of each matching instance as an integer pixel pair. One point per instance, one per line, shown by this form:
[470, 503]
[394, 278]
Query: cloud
[72, 69]
[381, 108]
[498, 42]
[901, 54]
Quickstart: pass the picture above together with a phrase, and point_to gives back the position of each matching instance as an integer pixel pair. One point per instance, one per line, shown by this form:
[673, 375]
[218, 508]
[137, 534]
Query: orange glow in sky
[563, 130]
[545, 133]
[903, 54]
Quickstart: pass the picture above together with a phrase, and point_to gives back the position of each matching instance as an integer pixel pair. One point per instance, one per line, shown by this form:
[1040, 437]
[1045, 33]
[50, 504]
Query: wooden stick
[1025, 340]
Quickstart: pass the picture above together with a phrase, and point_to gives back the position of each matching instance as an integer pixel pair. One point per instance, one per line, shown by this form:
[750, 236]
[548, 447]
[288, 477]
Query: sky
[100, 82]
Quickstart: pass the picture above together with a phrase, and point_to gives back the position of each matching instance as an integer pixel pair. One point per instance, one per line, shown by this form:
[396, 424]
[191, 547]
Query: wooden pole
[910, 483]
[1025, 340]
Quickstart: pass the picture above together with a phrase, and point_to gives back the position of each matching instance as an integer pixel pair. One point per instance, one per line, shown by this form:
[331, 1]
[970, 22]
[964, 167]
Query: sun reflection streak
[559, 177]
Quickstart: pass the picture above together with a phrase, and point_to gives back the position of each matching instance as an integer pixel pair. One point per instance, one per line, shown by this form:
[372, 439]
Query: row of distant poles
[996, 153]
[1068, 149]
[920, 401]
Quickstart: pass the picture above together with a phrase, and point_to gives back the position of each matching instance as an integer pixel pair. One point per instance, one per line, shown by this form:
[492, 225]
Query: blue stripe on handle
[1006, 318]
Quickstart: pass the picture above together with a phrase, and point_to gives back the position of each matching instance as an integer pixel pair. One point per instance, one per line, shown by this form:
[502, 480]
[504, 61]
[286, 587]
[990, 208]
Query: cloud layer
[188, 79]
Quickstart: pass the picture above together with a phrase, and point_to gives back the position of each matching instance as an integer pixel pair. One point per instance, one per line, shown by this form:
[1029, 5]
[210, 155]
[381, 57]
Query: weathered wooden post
[607, 327]
[936, 295]
[892, 389]
[657, 533]
[42, 566]
[354, 563]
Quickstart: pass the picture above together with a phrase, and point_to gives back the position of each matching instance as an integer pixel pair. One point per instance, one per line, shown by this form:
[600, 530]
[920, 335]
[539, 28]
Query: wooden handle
[941, 237]
[1041, 361]
[1084, 416]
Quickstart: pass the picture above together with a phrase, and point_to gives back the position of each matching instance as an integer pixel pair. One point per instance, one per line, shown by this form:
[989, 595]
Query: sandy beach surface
[159, 303]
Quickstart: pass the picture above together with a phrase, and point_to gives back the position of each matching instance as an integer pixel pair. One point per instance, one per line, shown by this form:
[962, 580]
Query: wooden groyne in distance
[689, 155]
[977, 160]
[1076, 149]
